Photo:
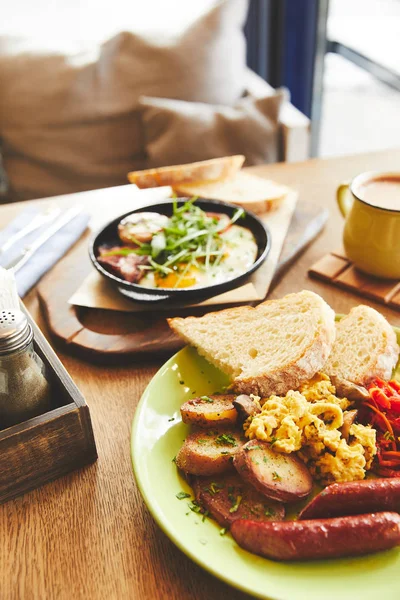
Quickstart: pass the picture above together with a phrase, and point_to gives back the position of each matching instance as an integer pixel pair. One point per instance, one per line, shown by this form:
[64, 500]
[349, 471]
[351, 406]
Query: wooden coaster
[335, 268]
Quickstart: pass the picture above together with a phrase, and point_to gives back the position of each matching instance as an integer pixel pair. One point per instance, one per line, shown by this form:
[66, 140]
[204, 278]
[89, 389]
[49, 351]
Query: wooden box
[50, 445]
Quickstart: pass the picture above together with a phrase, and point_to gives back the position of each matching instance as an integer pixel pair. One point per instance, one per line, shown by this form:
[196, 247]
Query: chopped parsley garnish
[388, 436]
[194, 507]
[269, 512]
[276, 476]
[222, 531]
[191, 238]
[174, 460]
[182, 495]
[205, 516]
[226, 439]
[236, 504]
[182, 382]
[207, 399]
[214, 488]
[171, 419]
[252, 448]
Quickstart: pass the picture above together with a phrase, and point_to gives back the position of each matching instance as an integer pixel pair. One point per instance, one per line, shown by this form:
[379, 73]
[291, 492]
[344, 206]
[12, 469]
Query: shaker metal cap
[15, 331]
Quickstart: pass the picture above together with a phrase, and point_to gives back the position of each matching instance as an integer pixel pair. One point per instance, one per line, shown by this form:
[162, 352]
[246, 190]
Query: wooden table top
[89, 535]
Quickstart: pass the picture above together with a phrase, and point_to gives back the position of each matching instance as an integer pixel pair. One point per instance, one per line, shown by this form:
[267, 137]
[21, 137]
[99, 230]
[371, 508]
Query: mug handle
[344, 199]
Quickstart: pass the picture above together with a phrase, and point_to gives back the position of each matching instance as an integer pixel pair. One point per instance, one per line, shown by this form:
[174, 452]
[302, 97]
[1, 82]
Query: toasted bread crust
[375, 354]
[260, 376]
[206, 170]
[254, 193]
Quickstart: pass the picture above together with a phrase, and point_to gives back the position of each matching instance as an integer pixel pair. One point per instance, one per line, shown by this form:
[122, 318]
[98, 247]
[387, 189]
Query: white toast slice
[265, 350]
[253, 193]
[205, 170]
[365, 347]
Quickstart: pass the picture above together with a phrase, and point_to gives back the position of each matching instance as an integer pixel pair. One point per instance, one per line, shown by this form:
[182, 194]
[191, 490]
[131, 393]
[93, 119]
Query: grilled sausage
[354, 498]
[228, 498]
[321, 538]
[278, 476]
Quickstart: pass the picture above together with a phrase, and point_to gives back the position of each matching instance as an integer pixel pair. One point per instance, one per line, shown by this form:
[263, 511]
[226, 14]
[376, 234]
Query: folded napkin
[47, 255]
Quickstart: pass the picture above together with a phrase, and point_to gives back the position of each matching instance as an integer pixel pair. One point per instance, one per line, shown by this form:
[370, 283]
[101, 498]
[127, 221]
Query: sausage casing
[354, 498]
[319, 538]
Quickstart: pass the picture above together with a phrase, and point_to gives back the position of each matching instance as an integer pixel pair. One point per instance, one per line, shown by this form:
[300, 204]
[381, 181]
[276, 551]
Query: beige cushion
[176, 131]
[70, 121]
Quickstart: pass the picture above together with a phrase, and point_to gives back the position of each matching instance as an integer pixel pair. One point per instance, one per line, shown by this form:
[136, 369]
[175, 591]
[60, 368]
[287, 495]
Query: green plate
[157, 435]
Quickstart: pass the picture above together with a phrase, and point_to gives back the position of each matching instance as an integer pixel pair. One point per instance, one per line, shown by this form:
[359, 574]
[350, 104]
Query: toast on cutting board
[265, 350]
[250, 191]
[206, 170]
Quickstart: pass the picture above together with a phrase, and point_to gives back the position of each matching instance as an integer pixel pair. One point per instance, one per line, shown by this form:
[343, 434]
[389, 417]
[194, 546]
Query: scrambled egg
[308, 422]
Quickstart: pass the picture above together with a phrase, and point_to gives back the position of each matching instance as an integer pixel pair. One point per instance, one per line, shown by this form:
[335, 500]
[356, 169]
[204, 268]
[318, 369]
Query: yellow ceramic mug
[371, 235]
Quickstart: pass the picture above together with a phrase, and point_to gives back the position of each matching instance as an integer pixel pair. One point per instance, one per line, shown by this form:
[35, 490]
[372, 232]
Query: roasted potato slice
[210, 411]
[281, 477]
[228, 498]
[208, 452]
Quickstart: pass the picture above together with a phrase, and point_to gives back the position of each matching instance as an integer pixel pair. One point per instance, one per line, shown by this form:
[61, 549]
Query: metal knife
[29, 250]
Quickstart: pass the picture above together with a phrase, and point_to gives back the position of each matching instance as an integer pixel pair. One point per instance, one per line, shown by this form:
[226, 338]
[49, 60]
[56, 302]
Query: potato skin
[281, 477]
[228, 498]
[209, 452]
[212, 411]
[319, 538]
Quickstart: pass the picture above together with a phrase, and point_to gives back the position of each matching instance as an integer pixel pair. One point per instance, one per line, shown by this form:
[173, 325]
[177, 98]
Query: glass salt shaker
[24, 388]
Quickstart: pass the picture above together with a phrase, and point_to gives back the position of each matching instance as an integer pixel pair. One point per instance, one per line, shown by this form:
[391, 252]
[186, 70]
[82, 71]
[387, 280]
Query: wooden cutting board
[104, 335]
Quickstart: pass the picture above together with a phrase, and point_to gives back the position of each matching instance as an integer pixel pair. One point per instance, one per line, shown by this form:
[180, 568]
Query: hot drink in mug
[371, 207]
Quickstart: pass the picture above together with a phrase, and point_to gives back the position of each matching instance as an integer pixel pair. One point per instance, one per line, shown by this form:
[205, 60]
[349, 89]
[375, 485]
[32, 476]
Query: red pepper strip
[388, 472]
[377, 382]
[395, 385]
[389, 463]
[384, 386]
[385, 420]
[384, 444]
[394, 453]
[395, 424]
[395, 404]
[380, 397]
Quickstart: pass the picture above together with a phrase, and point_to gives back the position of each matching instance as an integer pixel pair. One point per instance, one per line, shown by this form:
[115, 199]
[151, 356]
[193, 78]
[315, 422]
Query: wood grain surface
[89, 535]
[336, 269]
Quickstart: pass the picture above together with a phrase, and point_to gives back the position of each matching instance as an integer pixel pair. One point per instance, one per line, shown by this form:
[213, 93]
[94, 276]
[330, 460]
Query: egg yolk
[177, 279]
